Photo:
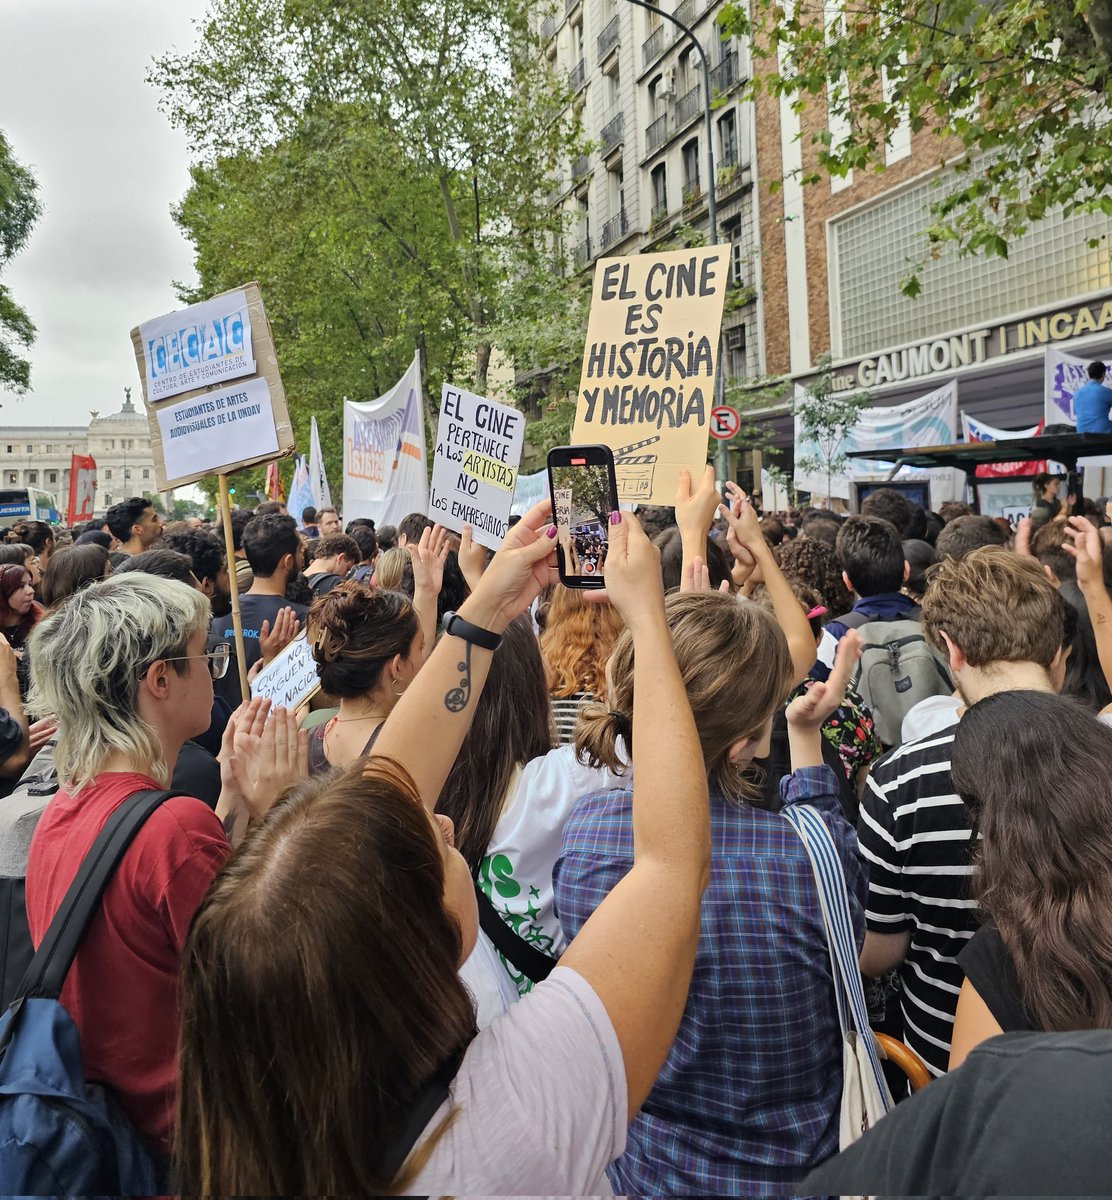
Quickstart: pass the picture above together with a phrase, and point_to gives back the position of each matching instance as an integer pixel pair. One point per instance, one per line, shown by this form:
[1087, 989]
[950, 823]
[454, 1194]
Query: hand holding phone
[584, 494]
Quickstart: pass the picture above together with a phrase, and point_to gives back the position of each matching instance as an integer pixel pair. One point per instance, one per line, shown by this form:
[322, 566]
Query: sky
[105, 254]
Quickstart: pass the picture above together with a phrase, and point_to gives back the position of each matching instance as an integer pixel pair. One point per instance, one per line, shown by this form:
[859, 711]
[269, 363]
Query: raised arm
[807, 712]
[637, 949]
[427, 726]
[427, 559]
[13, 766]
[1084, 545]
[745, 537]
[695, 511]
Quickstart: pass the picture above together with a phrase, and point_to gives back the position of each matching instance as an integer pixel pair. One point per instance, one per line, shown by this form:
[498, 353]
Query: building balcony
[689, 105]
[548, 28]
[692, 193]
[687, 11]
[608, 39]
[577, 80]
[725, 75]
[614, 230]
[611, 135]
[727, 160]
[656, 134]
[654, 46]
[659, 214]
[583, 254]
[580, 167]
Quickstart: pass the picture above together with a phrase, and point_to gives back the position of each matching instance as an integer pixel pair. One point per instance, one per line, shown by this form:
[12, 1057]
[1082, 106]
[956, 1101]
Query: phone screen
[582, 501]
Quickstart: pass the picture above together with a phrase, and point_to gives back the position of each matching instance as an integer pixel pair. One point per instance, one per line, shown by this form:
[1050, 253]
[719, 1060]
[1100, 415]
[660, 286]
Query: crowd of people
[512, 906]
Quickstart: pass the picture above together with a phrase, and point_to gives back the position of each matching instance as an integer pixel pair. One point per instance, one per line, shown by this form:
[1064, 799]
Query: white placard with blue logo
[929, 421]
[198, 346]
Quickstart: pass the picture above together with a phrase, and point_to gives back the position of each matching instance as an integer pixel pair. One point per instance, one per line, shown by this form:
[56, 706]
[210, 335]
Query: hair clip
[818, 611]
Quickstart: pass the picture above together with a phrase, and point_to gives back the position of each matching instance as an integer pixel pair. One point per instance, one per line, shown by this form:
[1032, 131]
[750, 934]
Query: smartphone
[584, 493]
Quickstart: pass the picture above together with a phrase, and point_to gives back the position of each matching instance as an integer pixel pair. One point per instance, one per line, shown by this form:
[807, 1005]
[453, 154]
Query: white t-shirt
[929, 716]
[541, 1098]
[516, 871]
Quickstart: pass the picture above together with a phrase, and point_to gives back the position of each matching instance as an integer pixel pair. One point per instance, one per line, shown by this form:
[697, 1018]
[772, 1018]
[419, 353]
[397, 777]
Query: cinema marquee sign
[937, 356]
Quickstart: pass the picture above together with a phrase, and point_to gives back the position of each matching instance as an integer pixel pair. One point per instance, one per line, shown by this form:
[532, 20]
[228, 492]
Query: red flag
[274, 484]
[83, 489]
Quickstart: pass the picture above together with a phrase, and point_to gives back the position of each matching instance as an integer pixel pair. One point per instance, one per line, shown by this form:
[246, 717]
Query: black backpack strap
[54, 957]
[534, 964]
[421, 1111]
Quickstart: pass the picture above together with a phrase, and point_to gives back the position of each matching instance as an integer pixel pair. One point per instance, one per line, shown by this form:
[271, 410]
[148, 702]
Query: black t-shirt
[197, 773]
[254, 610]
[1027, 1114]
[779, 763]
[989, 968]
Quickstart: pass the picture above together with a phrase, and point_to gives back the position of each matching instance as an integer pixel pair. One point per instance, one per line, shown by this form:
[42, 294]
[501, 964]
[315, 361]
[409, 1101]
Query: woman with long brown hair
[1033, 770]
[19, 613]
[328, 1044]
[577, 639]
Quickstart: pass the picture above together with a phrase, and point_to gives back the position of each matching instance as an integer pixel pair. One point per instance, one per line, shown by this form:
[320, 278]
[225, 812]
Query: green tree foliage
[19, 210]
[1016, 89]
[383, 171]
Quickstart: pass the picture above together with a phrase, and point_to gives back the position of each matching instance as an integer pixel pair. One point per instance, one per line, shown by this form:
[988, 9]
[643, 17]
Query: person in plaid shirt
[748, 1099]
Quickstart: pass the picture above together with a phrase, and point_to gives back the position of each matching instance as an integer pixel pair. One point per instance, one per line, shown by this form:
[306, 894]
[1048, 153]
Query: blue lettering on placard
[209, 341]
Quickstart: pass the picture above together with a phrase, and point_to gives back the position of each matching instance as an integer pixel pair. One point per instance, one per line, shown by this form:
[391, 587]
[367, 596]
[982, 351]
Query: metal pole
[722, 467]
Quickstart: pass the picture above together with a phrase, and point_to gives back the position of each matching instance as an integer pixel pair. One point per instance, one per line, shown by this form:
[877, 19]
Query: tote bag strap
[833, 897]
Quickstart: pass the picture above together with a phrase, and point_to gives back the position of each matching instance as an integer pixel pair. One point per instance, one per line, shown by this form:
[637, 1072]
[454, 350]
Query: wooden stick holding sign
[233, 584]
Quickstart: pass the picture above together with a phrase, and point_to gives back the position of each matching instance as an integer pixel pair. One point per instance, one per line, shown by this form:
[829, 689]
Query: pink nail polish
[552, 531]
[616, 517]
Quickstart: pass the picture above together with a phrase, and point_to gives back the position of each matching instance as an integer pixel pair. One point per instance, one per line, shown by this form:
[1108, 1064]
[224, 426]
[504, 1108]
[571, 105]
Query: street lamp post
[722, 467]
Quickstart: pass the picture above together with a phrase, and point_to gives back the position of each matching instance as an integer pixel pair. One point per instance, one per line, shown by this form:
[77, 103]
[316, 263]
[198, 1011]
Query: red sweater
[122, 991]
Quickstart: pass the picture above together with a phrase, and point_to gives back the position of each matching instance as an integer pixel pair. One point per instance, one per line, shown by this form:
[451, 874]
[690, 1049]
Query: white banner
[318, 480]
[977, 431]
[929, 421]
[301, 494]
[385, 477]
[1065, 373]
[529, 490]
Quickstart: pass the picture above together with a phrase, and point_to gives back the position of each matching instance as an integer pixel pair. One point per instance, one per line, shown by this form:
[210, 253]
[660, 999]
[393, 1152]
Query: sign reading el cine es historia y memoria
[201, 421]
[478, 451]
[647, 385]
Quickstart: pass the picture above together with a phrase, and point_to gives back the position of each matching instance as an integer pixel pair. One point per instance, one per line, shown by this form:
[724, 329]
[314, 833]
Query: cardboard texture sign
[647, 385]
[474, 471]
[202, 423]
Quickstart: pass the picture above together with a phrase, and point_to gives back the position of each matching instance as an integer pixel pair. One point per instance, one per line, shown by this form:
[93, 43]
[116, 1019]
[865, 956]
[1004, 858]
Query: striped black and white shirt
[565, 711]
[916, 837]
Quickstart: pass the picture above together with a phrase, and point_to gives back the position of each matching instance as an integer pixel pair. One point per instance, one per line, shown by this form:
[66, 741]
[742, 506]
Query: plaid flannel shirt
[748, 1098]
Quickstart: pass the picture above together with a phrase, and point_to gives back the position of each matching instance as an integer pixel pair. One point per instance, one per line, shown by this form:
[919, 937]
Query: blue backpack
[60, 1135]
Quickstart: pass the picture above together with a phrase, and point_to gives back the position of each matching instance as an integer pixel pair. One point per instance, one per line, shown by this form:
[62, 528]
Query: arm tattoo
[230, 823]
[459, 697]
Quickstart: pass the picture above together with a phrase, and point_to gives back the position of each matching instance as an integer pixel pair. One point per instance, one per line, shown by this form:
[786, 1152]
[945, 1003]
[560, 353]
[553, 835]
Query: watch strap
[457, 626]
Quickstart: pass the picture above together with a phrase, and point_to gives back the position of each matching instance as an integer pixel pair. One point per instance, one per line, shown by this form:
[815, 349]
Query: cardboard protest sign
[291, 678]
[647, 385]
[200, 423]
[478, 451]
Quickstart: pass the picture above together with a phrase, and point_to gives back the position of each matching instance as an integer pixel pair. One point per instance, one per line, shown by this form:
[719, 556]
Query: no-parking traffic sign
[724, 423]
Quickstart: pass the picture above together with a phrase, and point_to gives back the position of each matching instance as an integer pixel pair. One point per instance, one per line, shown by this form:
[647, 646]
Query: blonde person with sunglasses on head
[125, 669]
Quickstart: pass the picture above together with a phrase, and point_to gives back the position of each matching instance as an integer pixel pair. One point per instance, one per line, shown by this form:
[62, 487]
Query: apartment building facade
[816, 270]
[641, 90]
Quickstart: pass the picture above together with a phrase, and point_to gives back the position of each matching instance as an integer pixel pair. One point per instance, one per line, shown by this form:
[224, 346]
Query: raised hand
[523, 566]
[818, 704]
[633, 580]
[472, 558]
[270, 753]
[427, 558]
[695, 510]
[1084, 546]
[40, 732]
[273, 641]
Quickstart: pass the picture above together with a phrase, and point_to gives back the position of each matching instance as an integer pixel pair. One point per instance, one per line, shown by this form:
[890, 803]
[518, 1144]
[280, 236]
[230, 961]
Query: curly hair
[815, 564]
[577, 640]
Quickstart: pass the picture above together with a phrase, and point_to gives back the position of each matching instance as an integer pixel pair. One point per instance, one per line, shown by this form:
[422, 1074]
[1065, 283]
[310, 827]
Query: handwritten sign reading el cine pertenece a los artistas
[474, 471]
[647, 385]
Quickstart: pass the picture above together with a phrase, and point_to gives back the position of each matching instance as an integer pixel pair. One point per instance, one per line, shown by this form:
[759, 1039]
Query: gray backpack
[898, 668]
[19, 815]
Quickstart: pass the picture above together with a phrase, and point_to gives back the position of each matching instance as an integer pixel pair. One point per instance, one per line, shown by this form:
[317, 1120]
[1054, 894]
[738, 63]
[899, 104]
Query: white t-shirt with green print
[516, 872]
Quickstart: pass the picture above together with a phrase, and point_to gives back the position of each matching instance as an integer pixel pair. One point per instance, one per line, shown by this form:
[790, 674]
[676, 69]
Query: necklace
[369, 717]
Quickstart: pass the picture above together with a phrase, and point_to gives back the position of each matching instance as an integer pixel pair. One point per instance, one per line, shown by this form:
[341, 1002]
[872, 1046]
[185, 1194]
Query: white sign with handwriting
[291, 678]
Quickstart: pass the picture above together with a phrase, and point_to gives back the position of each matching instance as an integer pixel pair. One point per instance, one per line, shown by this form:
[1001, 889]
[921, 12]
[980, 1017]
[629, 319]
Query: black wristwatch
[457, 626]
